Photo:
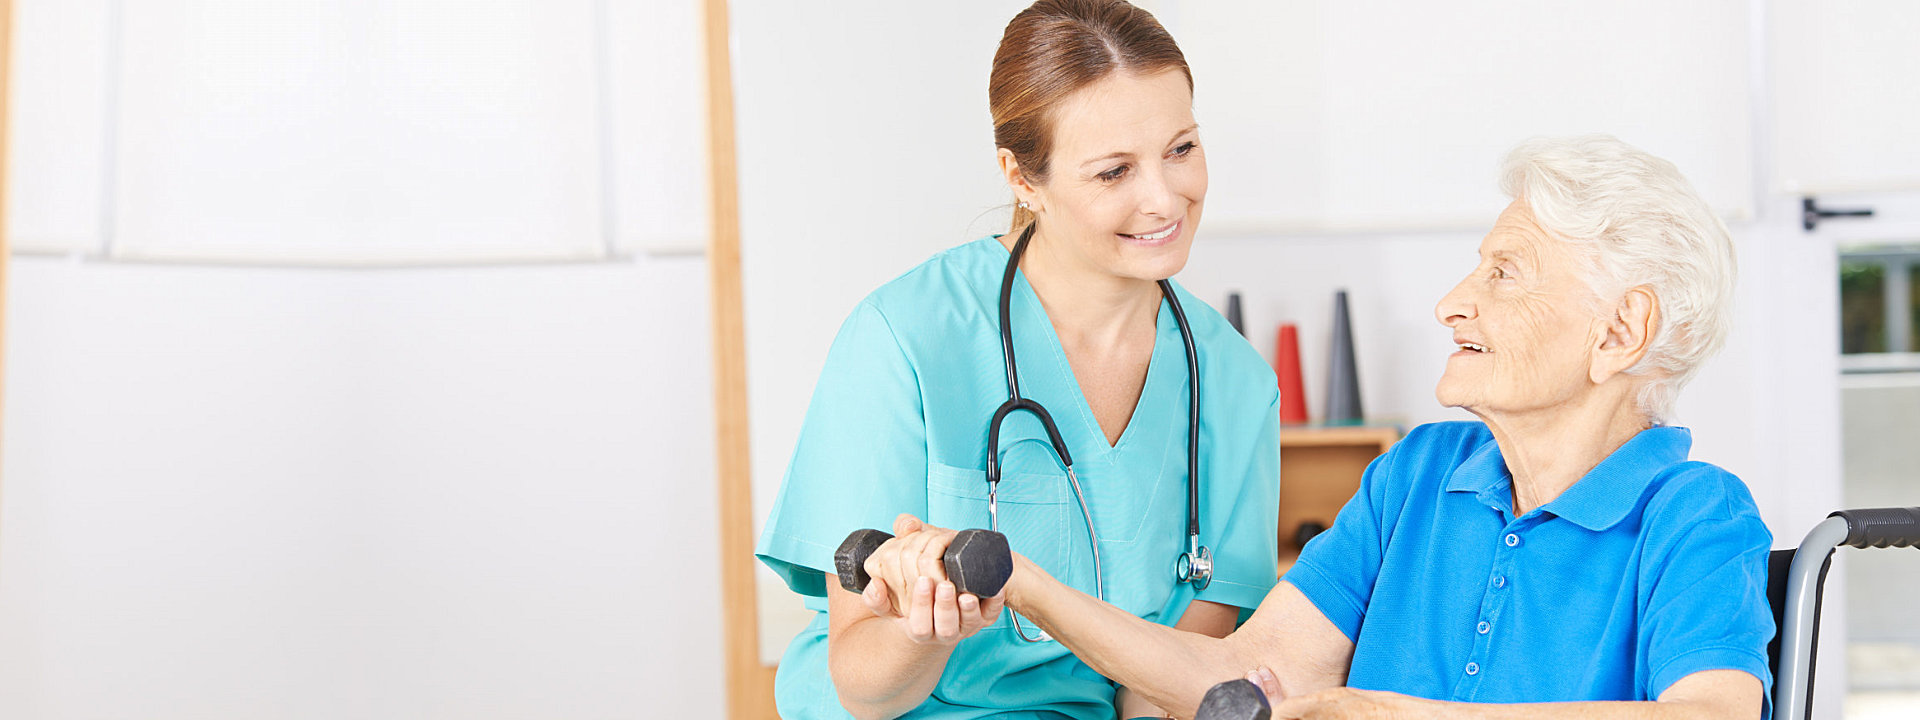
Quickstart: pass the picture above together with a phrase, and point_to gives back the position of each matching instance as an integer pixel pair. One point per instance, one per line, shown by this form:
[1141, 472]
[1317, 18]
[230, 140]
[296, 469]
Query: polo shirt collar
[1602, 498]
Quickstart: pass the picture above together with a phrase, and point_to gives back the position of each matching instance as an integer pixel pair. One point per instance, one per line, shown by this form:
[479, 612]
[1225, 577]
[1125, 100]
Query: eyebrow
[1518, 258]
[1124, 154]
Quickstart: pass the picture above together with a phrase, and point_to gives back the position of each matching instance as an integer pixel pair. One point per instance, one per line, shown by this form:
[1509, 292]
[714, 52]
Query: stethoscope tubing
[1193, 411]
[1195, 565]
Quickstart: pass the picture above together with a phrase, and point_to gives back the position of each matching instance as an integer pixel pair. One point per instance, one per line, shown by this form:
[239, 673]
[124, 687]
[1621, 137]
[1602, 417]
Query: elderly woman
[1560, 550]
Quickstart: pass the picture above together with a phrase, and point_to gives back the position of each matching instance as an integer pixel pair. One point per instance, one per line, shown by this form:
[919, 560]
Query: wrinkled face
[1524, 321]
[1127, 177]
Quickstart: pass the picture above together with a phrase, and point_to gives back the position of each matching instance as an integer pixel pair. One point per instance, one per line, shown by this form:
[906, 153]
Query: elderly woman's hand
[1340, 703]
[910, 583]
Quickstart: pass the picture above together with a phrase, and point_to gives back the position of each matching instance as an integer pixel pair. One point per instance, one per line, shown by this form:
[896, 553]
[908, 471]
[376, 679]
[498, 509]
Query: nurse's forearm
[1170, 668]
[879, 672]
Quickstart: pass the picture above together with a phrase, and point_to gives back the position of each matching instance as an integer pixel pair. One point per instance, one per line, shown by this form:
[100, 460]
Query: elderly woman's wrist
[1020, 585]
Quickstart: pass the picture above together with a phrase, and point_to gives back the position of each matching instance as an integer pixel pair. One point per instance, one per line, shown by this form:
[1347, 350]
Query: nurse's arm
[1173, 669]
[883, 667]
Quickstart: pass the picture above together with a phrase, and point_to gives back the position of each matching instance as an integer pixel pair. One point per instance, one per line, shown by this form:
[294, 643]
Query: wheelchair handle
[1881, 527]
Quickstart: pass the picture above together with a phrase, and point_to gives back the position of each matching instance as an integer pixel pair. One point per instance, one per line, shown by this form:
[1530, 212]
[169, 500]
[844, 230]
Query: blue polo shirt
[1648, 569]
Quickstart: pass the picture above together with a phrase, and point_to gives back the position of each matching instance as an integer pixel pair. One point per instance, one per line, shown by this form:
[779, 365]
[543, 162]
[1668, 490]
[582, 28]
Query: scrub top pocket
[1037, 512]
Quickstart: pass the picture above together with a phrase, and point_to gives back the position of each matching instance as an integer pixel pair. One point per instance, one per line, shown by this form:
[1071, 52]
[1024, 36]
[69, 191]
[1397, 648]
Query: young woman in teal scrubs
[1091, 103]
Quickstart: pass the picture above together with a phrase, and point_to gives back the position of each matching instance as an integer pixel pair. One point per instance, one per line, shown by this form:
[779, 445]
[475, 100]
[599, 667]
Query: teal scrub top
[898, 424]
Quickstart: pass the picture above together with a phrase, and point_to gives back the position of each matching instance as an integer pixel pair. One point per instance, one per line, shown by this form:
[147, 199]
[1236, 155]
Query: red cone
[1286, 364]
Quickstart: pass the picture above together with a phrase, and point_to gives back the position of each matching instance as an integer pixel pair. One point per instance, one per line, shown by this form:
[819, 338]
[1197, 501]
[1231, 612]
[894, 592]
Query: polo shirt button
[1500, 581]
[1512, 540]
[1483, 627]
[1473, 668]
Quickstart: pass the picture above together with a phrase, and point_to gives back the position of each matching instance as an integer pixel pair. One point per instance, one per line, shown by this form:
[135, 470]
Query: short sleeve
[861, 459]
[1244, 514]
[1337, 568]
[1707, 606]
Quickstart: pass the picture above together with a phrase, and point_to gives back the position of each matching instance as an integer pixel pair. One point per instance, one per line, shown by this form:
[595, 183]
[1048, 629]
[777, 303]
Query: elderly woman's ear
[1625, 334]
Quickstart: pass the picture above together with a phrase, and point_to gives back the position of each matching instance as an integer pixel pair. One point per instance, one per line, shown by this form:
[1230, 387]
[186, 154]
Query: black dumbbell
[978, 561]
[1234, 700]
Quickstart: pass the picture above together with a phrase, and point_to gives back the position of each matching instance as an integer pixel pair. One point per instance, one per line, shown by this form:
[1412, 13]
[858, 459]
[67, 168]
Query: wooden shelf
[1320, 469]
[1298, 436]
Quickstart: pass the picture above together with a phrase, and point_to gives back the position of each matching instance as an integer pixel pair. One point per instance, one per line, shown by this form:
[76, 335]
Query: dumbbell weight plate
[979, 562]
[850, 560]
[1234, 700]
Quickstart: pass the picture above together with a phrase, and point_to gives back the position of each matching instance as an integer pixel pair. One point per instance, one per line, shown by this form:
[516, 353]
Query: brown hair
[1051, 50]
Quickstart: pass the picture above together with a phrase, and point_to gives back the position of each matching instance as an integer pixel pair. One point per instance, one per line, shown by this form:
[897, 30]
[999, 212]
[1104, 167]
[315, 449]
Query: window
[1880, 308]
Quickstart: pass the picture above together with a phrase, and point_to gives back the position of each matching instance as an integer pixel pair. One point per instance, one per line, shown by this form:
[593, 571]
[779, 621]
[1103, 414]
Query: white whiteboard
[658, 103]
[374, 133]
[388, 131]
[56, 150]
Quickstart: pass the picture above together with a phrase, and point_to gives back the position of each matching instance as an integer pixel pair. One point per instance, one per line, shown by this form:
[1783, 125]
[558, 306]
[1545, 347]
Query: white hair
[1637, 222]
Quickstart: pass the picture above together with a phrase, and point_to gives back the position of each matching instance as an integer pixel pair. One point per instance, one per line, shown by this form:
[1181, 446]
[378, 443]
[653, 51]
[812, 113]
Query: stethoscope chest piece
[1195, 566]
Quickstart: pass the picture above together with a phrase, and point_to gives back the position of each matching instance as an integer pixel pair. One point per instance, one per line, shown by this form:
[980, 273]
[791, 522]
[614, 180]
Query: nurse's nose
[1157, 198]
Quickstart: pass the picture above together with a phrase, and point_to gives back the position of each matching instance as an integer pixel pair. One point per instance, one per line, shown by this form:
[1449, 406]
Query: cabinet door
[1846, 98]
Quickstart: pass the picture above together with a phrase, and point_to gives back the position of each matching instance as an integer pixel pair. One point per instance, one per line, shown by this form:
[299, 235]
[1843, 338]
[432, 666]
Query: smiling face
[1127, 177]
[1526, 324]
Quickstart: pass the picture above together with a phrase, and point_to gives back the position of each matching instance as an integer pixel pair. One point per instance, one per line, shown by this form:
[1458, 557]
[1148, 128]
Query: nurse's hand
[910, 584]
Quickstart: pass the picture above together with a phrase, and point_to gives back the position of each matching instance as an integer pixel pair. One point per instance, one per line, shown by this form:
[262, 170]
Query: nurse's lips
[1160, 236]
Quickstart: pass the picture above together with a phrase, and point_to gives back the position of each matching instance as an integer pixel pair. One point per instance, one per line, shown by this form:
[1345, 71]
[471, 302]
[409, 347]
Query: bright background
[358, 361]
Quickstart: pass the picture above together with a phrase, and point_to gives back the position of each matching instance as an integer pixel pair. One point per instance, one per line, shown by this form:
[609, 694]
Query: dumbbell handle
[977, 561]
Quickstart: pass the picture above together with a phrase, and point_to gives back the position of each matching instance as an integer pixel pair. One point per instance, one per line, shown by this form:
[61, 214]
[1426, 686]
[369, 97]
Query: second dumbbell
[1234, 700]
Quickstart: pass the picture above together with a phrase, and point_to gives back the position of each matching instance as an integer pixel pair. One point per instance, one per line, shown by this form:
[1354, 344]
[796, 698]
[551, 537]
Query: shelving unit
[1320, 469]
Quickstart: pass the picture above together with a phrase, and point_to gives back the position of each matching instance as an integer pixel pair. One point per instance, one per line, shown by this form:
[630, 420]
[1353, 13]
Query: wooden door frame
[749, 683]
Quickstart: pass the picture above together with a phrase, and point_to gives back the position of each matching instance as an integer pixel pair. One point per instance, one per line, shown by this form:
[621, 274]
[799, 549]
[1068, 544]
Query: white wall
[274, 493]
[1881, 412]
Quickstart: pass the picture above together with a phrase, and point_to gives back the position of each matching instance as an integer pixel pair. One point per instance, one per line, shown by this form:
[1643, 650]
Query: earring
[1022, 204]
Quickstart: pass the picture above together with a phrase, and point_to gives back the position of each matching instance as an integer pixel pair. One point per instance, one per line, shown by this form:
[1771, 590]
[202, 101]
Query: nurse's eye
[1500, 273]
[1184, 149]
[1113, 175]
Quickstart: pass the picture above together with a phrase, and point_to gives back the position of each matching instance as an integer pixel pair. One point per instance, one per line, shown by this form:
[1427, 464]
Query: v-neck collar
[1030, 317]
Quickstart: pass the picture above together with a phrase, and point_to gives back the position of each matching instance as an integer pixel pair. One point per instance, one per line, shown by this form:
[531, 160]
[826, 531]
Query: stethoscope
[1193, 566]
